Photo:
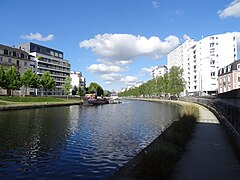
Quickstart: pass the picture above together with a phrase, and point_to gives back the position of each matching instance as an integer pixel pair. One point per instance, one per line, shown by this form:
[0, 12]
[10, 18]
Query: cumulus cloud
[114, 63]
[155, 4]
[37, 36]
[233, 9]
[128, 79]
[149, 70]
[118, 47]
[103, 69]
[118, 78]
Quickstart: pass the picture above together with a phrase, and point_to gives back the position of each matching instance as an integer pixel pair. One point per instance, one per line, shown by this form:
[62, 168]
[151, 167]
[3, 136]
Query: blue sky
[115, 43]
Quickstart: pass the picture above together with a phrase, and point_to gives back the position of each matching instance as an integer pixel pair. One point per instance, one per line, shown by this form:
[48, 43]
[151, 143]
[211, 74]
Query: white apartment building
[51, 60]
[77, 80]
[201, 60]
[159, 71]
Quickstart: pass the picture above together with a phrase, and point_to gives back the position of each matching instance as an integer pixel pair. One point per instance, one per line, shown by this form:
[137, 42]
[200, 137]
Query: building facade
[78, 80]
[201, 60]
[229, 77]
[21, 60]
[159, 71]
[48, 59]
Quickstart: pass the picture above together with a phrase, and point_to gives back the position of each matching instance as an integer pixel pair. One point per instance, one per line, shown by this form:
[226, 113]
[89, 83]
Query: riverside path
[208, 155]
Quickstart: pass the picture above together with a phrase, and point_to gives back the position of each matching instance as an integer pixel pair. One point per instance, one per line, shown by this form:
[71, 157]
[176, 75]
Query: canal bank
[208, 154]
[21, 106]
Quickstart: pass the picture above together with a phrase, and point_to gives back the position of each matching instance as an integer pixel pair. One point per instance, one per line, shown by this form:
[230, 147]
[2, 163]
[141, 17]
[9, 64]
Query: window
[239, 79]
[60, 55]
[17, 62]
[5, 52]
[10, 61]
[1, 59]
[211, 44]
[22, 55]
[238, 66]
[25, 63]
[212, 74]
[14, 54]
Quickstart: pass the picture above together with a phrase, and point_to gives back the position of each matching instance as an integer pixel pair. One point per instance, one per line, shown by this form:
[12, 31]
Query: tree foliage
[95, 88]
[12, 79]
[2, 77]
[67, 85]
[171, 83]
[47, 81]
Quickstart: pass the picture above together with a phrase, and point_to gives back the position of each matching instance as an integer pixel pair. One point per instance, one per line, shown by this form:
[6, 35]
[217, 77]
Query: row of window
[14, 54]
[10, 61]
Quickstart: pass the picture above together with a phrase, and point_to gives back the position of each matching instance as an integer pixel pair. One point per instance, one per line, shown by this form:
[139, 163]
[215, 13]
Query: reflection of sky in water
[78, 141]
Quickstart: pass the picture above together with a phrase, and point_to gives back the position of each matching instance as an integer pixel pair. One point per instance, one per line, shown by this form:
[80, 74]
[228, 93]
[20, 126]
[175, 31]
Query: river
[85, 142]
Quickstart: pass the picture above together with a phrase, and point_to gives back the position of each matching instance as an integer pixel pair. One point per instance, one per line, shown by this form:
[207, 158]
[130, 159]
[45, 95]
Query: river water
[85, 142]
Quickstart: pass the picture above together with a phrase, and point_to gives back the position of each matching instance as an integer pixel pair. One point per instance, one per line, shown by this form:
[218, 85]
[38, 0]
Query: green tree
[176, 83]
[12, 80]
[2, 77]
[74, 90]
[95, 88]
[26, 79]
[35, 82]
[47, 81]
[67, 86]
[81, 91]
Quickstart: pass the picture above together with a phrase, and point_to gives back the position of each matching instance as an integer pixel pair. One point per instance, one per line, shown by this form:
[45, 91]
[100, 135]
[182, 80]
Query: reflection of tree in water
[30, 135]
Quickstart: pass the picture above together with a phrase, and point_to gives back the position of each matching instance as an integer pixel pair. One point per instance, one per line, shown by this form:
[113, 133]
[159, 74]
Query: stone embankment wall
[227, 110]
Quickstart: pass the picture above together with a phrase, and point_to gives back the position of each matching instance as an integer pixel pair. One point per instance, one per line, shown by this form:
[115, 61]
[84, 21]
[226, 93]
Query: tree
[2, 77]
[35, 82]
[74, 90]
[26, 79]
[81, 91]
[47, 81]
[12, 80]
[176, 83]
[67, 86]
[95, 88]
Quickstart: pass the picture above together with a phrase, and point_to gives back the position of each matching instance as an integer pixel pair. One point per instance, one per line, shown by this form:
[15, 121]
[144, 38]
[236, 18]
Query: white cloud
[103, 69]
[38, 37]
[233, 9]
[119, 47]
[114, 63]
[148, 70]
[118, 78]
[108, 83]
[111, 77]
[155, 4]
[128, 79]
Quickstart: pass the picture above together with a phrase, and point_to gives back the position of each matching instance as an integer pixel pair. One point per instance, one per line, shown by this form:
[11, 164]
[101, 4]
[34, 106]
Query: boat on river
[114, 99]
[92, 99]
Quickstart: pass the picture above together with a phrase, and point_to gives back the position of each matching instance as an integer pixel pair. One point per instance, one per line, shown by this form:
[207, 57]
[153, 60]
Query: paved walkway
[208, 154]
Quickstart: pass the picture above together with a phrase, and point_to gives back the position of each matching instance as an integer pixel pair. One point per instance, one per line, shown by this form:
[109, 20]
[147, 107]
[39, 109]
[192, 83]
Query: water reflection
[90, 141]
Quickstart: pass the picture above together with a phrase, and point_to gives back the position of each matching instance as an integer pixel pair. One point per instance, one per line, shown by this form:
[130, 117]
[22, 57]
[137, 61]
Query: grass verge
[30, 99]
[159, 158]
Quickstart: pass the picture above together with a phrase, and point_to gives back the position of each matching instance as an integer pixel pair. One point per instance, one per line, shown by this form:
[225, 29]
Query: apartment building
[21, 60]
[229, 77]
[159, 71]
[201, 60]
[77, 79]
[48, 59]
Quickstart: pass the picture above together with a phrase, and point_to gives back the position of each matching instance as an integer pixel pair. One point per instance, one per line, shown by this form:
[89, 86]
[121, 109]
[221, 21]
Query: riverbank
[158, 159]
[18, 103]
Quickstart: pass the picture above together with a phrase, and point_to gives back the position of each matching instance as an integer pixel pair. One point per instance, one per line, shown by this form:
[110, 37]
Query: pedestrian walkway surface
[208, 154]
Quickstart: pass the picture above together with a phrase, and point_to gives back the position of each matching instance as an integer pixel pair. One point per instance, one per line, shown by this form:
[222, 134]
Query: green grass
[161, 158]
[30, 99]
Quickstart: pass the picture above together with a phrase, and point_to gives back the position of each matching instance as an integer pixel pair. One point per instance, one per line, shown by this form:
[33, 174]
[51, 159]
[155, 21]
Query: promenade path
[208, 154]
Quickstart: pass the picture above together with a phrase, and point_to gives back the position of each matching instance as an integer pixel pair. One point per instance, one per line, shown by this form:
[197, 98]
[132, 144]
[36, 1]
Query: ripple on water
[78, 142]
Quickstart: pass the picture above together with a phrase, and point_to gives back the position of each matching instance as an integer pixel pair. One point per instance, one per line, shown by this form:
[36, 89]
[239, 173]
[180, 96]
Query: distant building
[159, 71]
[78, 80]
[21, 60]
[48, 59]
[229, 77]
[201, 60]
